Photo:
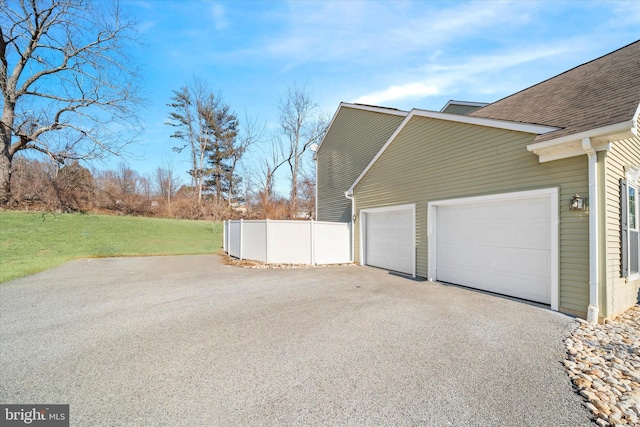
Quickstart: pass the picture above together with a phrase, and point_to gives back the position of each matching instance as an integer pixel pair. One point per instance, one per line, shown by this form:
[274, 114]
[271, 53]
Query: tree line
[46, 186]
[70, 96]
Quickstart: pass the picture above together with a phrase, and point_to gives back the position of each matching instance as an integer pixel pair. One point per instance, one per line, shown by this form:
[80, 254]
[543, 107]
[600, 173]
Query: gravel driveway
[189, 341]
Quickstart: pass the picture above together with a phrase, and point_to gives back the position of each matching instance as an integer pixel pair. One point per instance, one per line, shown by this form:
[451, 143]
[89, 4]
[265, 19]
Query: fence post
[352, 249]
[313, 243]
[224, 236]
[266, 241]
[241, 227]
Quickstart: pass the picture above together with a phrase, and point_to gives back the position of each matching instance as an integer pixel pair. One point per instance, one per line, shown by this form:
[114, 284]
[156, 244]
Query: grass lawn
[33, 242]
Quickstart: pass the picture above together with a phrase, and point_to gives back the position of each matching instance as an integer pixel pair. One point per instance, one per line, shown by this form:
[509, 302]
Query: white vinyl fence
[289, 242]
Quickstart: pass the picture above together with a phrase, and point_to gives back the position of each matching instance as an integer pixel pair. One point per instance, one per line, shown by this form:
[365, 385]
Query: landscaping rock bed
[603, 362]
[247, 263]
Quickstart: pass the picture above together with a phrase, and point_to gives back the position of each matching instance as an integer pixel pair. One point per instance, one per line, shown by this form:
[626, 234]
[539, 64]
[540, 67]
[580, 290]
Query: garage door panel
[495, 214]
[533, 236]
[514, 284]
[534, 209]
[536, 236]
[504, 247]
[389, 240]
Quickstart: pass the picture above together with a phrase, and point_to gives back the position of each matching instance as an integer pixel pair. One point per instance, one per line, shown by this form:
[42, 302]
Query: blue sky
[395, 54]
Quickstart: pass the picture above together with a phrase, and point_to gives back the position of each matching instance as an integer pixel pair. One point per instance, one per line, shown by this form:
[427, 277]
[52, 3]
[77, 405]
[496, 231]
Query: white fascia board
[571, 145]
[358, 107]
[500, 124]
[383, 110]
[481, 121]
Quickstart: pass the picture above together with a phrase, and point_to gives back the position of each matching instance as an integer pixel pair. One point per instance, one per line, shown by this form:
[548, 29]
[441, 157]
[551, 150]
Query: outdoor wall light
[578, 203]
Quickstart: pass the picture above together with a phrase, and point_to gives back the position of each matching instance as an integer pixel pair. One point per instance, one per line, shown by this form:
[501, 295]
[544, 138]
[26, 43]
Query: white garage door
[501, 246]
[389, 239]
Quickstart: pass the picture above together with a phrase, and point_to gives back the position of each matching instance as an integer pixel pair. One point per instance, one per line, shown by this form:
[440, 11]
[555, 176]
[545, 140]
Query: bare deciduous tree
[251, 132]
[66, 81]
[269, 165]
[300, 128]
[167, 182]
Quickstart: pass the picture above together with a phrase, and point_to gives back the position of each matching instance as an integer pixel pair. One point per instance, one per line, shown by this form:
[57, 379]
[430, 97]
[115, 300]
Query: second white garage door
[389, 238]
[502, 246]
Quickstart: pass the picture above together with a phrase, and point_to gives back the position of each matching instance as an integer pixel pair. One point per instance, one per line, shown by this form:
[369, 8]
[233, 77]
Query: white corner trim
[363, 224]
[459, 118]
[571, 145]
[552, 193]
[593, 308]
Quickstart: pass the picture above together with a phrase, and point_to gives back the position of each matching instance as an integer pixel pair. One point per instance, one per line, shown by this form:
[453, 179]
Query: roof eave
[571, 145]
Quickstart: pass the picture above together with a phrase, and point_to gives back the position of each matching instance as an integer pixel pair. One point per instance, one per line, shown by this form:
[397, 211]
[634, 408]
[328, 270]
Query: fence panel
[234, 238]
[254, 240]
[332, 243]
[289, 242]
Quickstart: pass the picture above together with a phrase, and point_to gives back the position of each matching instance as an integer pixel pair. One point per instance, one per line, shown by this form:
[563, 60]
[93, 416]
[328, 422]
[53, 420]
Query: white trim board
[552, 193]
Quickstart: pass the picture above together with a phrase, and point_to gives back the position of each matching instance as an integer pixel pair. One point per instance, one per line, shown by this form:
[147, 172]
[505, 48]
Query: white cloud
[394, 93]
[219, 17]
[627, 12]
[447, 79]
[371, 31]
[145, 26]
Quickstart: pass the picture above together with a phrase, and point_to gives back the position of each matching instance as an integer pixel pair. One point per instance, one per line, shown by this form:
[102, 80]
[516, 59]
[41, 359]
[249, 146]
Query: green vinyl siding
[434, 159]
[355, 136]
[619, 294]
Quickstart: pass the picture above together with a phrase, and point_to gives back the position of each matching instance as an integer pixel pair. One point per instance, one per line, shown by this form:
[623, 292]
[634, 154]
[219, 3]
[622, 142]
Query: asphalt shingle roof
[601, 92]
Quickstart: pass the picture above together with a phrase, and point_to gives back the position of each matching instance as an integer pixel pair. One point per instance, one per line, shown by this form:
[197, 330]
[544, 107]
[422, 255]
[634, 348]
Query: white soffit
[571, 145]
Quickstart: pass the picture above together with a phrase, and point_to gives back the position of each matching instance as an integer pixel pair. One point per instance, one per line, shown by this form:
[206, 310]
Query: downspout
[315, 159]
[353, 224]
[594, 208]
